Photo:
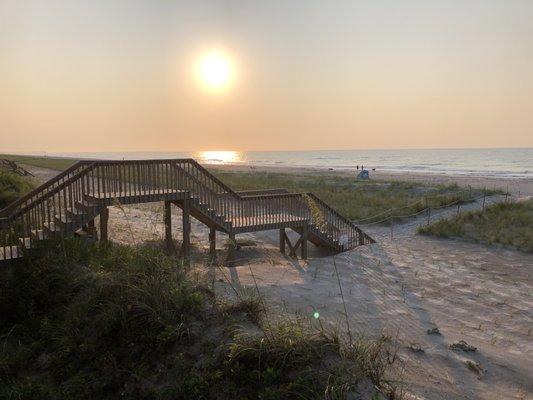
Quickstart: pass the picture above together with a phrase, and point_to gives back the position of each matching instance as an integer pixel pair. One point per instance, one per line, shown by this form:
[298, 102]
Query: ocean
[503, 162]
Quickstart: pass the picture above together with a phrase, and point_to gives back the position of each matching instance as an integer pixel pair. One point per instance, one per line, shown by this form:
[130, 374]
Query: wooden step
[37, 234]
[52, 231]
[9, 253]
[86, 207]
[76, 214]
[64, 222]
[25, 242]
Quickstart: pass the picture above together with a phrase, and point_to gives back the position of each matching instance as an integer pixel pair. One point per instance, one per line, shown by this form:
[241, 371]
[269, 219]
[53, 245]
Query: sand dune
[402, 287]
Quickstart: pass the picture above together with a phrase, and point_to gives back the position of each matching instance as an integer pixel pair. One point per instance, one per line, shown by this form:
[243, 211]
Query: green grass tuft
[507, 224]
[12, 186]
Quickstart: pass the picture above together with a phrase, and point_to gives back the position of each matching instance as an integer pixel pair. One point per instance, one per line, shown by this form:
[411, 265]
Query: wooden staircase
[68, 204]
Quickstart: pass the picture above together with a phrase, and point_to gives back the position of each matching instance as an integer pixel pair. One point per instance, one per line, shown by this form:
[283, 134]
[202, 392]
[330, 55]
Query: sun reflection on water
[219, 157]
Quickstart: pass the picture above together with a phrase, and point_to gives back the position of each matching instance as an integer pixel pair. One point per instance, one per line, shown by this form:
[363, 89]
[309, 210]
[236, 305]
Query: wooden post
[304, 242]
[104, 218]
[429, 210]
[484, 196]
[186, 245]
[361, 238]
[212, 244]
[91, 228]
[231, 250]
[167, 218]
[282, 240]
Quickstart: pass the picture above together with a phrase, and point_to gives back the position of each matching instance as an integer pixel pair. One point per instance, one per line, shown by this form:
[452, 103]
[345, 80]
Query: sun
[215, 70]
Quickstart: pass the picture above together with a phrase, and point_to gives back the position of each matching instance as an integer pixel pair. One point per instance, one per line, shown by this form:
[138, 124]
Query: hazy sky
[118, 75]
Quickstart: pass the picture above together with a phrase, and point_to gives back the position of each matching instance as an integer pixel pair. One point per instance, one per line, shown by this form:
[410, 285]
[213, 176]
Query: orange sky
[118, 75]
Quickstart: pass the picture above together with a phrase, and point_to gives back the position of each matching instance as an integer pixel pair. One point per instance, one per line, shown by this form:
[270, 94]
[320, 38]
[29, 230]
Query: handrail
[40, 188]
[331, 209]
[51, 193]
[213, 177]
[255, 192]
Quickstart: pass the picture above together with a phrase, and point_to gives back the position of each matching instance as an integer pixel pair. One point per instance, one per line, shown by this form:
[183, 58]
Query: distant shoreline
[504, 163]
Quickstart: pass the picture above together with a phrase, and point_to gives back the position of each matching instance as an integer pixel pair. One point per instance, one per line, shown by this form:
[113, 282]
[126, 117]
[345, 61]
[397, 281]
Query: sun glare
[219, 157]
[215, 70]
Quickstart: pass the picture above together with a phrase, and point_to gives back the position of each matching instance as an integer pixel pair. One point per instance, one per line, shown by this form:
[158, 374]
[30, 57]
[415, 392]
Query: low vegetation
[370, 201]
[111, 321]
[507, 224]
[59, 164]
[12, 186]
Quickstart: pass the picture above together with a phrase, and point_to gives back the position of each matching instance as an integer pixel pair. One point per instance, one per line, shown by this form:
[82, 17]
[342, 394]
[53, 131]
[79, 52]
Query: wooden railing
[134, 181]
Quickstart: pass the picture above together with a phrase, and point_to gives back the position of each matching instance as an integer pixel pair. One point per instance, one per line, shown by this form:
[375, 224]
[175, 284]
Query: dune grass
[59, 164]
[112, 321]
[356, 200]
[12, 186]
[507, 224]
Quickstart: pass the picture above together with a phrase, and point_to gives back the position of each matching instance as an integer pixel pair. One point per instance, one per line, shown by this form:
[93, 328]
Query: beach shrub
[12, 186]
[507, 224]
[111, 321]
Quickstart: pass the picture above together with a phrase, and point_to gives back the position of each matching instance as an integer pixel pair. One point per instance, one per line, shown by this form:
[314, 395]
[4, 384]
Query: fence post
[506, 193]
[391, 228]
[428, 210]
[458, 206]
[429, 215]
[484, 196]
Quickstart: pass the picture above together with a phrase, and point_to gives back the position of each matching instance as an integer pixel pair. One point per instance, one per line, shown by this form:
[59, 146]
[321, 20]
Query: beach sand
[401, 287]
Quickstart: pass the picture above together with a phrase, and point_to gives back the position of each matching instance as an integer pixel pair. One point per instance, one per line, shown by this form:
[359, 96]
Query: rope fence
[428, 210]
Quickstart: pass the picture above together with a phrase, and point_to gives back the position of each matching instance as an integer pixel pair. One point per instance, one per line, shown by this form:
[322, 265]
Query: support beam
[232, 244]
[104, 218]
[300, 243]
[91, 229]
[303, 244]
[186, 245]
[212, 244]
[167, 218]
[282, 236]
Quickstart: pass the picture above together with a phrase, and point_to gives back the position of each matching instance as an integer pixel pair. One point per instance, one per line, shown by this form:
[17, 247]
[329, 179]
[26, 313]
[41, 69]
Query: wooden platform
[144, 196]
[267, 222]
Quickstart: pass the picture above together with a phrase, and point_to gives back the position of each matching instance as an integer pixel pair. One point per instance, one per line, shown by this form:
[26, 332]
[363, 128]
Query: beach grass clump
[110, 321]
[12, 186]
[367, 201]
[506, 224]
